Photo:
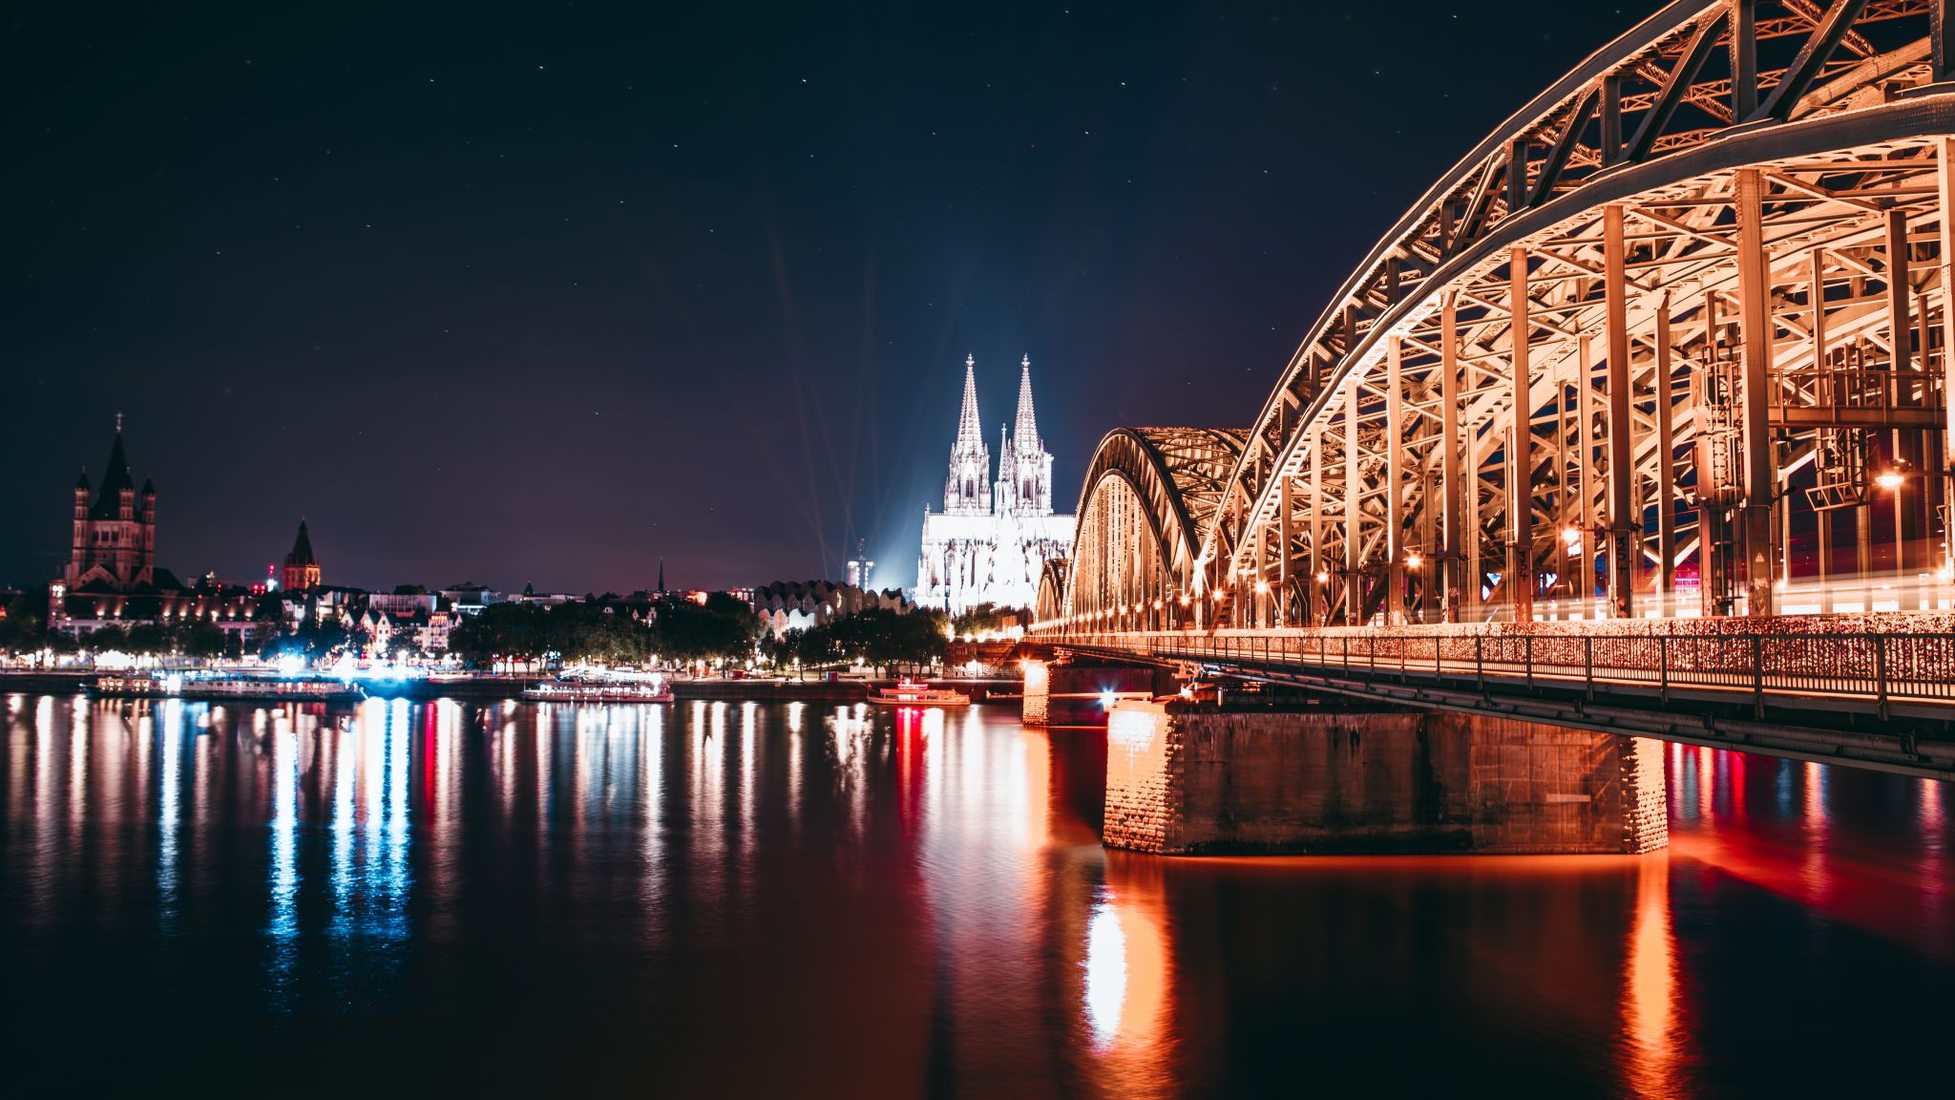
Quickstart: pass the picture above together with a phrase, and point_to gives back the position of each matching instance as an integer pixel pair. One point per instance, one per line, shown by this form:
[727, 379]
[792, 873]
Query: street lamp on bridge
[1893, 479]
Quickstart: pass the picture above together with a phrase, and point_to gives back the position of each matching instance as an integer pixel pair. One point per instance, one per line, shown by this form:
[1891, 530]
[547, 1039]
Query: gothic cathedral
[992, 538]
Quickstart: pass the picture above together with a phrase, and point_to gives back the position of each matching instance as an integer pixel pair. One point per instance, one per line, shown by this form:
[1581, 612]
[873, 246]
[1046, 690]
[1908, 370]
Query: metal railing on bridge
[1881, 670]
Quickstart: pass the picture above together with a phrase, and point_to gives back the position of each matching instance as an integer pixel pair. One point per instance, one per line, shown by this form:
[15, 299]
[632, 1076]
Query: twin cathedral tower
[993, 538]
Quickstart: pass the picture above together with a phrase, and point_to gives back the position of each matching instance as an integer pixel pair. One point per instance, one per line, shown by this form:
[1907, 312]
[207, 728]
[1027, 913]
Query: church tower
[967, 490]
[114, 539]
[1025, 471]
[301, 565]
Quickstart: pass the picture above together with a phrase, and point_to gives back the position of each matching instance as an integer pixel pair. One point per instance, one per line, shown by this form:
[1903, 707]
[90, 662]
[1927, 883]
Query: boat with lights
[209, 687]
[910, 693]
[585, 692]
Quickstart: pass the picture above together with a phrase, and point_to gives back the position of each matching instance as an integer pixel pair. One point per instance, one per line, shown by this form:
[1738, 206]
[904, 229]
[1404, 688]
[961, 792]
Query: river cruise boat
[561, 691]
[243, 686]
[909, 693]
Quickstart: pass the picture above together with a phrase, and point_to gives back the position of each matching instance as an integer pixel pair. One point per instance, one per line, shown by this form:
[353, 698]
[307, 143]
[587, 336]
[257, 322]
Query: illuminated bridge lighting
[1658, 346]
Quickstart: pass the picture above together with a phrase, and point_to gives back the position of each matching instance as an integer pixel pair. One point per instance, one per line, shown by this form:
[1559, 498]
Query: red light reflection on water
[1860, 848]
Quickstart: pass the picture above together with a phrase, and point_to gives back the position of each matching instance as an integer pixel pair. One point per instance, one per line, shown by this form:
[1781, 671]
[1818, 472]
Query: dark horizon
[545, 297]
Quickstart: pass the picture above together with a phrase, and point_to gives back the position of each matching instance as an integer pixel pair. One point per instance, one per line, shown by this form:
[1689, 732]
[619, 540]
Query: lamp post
[1413, 562]
[1894, 479]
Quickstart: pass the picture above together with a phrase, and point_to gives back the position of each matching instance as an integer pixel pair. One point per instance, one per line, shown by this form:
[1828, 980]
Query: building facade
[860, 571]
[993, 538]
[804, 605]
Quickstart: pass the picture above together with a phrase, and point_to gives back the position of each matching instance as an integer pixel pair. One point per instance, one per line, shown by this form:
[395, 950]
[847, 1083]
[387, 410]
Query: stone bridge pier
[1076, 692]
[1186, 779]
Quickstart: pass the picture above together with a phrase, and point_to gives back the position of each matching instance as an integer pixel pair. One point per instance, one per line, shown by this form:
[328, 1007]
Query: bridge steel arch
[1683, 312]
[1149, 494]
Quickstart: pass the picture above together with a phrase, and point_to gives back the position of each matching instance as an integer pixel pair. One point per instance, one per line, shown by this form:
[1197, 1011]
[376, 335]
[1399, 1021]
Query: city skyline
[550, 299]
[1433, 530]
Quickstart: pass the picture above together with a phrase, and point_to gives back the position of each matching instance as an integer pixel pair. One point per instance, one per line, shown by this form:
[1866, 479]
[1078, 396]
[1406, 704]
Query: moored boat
[559, 692]
[909, 693]
[214, 688]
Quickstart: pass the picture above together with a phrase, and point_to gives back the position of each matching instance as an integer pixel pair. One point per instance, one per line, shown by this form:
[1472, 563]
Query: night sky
[548, 294]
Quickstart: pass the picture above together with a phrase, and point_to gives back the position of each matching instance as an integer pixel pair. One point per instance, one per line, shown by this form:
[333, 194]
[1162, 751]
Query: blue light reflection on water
[169, 728]
[281, 939]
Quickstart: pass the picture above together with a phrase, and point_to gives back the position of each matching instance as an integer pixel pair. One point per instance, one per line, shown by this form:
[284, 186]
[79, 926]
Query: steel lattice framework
[1682, 315]
[1150, 495]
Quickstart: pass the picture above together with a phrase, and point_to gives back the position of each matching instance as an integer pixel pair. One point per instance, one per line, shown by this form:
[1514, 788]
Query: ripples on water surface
[798, 900]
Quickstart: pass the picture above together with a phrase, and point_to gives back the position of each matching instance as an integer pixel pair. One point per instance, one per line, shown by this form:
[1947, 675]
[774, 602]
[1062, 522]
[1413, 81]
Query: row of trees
[987, 616]
[723, 627]
[874, 635]
[23, 623]
[590, 631]
[24, 629]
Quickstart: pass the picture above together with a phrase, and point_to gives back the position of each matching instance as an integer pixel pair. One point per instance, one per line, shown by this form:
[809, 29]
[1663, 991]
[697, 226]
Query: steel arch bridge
[1150, 496]
[1655, 346]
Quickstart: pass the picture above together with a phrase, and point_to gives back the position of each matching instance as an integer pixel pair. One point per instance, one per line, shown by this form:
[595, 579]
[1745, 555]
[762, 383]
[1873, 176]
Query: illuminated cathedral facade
[993, 537]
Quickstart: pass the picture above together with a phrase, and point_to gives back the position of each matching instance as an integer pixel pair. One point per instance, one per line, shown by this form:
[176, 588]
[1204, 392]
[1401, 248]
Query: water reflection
[169, 730]
[1858, 848]
[1650, 986]
[1129, 970]
[283, 932]
[907, 902]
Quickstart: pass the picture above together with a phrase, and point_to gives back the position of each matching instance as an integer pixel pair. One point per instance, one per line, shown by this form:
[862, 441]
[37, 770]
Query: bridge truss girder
[1634, 329]
[1150, 493]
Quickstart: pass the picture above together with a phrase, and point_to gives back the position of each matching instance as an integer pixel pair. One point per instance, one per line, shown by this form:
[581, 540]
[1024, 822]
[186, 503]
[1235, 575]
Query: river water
[734, 899]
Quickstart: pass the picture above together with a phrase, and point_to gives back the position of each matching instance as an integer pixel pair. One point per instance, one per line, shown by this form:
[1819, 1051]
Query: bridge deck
[1870, 699]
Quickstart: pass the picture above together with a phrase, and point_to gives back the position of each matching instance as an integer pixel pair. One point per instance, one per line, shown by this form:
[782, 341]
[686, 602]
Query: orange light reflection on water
[1129, 978]
[1650, 1006]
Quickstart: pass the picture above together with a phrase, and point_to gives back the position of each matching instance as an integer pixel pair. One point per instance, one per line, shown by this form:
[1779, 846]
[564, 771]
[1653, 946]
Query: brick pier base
[1188, 781]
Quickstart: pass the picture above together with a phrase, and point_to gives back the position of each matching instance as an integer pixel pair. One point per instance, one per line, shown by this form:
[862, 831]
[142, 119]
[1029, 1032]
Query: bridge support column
[1319, 589]
[1453, 564]
[1353, 540]
[1755, 333]
[1666, 466]
[1190, 781]
[1945, 193]
[1625, 518]
[1520, 447]
[1037, 691]
[1394, 484]
[1284, 551]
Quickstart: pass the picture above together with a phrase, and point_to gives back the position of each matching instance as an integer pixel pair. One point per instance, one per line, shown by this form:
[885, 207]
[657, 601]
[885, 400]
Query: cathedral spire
[1025, 434]
[969, 432]
[967, 491]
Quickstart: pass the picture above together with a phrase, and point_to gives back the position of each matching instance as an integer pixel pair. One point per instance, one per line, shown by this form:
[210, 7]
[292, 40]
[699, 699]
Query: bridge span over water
[1670, 344]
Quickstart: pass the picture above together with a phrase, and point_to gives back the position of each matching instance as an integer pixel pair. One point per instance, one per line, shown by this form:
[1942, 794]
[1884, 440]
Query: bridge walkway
[1877, 700]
